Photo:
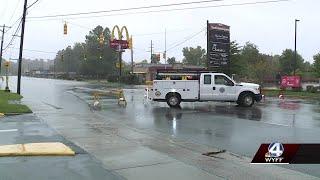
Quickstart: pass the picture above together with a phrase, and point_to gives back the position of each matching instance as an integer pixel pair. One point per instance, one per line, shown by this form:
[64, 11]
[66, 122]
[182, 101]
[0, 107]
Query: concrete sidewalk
[30, 129]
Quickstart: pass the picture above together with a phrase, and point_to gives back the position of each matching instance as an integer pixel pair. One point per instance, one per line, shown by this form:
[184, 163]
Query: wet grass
[292, 94]
[7, 107]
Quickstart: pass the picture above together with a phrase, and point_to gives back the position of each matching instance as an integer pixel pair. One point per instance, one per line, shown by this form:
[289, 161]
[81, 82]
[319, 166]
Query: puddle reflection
[170, 114]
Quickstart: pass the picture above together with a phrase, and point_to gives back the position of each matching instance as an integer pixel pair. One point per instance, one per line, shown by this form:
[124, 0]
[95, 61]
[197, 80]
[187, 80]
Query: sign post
[218, 47]
[120, 44]
[7, 64]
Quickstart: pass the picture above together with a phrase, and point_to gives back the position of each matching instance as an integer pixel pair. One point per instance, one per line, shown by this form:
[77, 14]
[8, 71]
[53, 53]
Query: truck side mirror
[230, 83]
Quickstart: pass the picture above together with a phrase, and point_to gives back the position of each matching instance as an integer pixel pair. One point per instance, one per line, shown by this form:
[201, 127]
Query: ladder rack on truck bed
[179, 74]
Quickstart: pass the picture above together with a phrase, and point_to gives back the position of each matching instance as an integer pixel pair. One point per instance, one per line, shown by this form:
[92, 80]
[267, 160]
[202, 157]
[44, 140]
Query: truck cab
[207, 87]
[220, 87]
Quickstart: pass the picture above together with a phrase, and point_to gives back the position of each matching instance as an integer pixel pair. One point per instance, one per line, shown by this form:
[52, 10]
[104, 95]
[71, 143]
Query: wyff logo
[275, 150]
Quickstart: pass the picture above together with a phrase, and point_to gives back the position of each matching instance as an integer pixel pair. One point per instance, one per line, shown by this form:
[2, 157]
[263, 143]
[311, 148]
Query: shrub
[298, 89]
[312, 89]
[126, 79]
[112, 78]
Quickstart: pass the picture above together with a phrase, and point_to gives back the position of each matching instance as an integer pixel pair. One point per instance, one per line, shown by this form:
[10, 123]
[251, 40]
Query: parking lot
[223, 125]
[114, 134]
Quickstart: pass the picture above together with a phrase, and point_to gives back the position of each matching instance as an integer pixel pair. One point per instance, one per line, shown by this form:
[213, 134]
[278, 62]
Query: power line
[3, 12]
[163, 10]
[14, 11]
[81, 26]
[19, 27]
[13, 36]
[32, 4]
[39, 51]
[161, 33]
[126, 9]
[186, 39]
[20, 18]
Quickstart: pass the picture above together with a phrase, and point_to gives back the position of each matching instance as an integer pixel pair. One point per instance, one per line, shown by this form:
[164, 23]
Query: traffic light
[85, 57]
[62, 57]
[164, 55]
[65, 28]
[130, 43]
[7, 64]
[101, 39]
[158, 57]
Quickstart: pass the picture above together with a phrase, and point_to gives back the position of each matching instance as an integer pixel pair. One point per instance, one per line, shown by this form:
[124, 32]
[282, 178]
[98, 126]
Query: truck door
[206, 87]
[225, 89]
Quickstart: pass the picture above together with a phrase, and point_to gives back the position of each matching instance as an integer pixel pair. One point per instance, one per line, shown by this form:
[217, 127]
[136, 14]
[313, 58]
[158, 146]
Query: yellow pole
[7, 77]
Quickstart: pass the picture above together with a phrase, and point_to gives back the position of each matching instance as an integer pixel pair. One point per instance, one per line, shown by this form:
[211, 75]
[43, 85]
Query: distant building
[147, 72]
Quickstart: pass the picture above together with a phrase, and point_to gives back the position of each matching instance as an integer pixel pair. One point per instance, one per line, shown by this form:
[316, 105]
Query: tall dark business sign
[218, 47]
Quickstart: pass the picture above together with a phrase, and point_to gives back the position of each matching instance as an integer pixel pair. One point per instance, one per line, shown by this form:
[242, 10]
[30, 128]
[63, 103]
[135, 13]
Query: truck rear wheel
[173, 100]
[246, 100]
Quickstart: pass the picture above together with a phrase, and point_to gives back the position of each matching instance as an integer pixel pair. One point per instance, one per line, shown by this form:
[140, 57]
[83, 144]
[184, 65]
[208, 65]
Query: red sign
[291, 81]
[119, 44]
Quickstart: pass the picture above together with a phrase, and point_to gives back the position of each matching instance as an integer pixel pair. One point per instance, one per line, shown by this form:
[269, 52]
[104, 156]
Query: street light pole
[295, 47]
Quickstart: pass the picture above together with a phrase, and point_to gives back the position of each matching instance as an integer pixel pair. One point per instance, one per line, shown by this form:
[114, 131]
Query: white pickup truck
[207, 87]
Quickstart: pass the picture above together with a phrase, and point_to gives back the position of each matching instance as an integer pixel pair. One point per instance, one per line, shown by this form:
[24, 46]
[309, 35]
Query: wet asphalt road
[222, 125]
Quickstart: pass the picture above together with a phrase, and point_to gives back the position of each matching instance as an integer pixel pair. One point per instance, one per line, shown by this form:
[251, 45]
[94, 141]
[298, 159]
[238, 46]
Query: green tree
[316, 64]
[262, 68]
[253, 65]
[90, 58]
[171, 60]
[194, 56]
[237, 64]
[248, 59]
[287, 63]
[154, 59]
[144, 61]
[250, 53]
[101, 59]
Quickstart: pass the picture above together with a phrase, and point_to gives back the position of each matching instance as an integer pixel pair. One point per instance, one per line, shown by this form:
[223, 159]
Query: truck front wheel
[173, 100]
[246, 100]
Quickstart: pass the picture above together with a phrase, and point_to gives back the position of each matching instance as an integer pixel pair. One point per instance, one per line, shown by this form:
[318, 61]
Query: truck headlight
[259, 89]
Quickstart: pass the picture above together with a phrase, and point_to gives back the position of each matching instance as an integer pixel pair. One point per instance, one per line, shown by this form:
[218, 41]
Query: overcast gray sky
[270, 26]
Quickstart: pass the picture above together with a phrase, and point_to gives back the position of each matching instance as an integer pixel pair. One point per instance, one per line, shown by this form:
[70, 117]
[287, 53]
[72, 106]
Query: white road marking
[277, 124]
[8, 130]
[269, 163]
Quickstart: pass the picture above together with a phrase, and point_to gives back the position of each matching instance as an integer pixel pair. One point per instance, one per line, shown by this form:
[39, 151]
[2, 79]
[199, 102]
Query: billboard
[119, 44]
[290, 81]
[218, 46]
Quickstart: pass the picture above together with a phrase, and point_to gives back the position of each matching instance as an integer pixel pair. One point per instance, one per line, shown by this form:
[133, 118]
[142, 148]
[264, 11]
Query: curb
[36, 149]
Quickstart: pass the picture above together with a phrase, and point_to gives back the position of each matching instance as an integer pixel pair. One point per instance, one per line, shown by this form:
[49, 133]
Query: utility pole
[295, 46]
[54, 69]
[165, 46]
[120, 62]
[21, 45]
[131, 56]
[2, 38]
[151, 47]
[208, 29]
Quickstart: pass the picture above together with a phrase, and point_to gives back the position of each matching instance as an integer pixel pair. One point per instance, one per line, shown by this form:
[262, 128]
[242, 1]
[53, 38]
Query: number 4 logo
[276, 149]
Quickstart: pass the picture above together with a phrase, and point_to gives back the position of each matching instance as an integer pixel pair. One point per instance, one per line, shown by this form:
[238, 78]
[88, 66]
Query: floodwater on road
[222, 125]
